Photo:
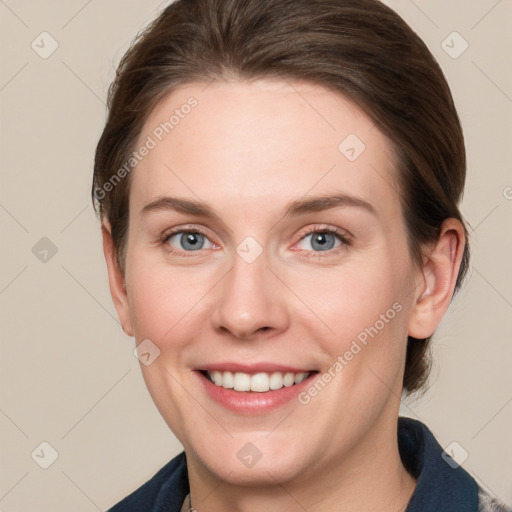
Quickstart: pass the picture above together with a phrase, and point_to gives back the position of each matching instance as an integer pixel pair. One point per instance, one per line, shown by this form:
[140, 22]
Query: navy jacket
[441, 486]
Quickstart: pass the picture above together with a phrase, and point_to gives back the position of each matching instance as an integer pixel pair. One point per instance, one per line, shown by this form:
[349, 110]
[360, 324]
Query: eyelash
[345, 240]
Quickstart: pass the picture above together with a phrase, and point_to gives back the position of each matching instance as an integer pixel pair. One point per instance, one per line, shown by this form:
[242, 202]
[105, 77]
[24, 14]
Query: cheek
[365, 344]
[162, 299]
[347, 300]
[360, 320]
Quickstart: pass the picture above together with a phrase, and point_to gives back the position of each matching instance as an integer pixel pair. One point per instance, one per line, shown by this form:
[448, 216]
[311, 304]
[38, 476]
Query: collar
[441, 483]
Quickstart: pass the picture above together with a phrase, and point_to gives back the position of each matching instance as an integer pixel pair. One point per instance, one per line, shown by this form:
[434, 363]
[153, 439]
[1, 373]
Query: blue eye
[323, 240]
[188, 241]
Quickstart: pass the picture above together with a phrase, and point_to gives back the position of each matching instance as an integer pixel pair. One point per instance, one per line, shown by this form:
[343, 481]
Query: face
[267, 253]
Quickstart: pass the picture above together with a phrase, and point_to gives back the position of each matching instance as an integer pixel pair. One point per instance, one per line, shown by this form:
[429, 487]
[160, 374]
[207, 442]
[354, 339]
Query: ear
[116, 280]
[437, 280]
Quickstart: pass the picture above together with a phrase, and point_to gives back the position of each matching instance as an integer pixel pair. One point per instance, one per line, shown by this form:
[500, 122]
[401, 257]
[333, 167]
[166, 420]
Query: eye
[188, 241]
[321, 240]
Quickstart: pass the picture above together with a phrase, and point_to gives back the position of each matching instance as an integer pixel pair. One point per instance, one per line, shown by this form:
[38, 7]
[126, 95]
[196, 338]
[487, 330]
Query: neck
[370, 477]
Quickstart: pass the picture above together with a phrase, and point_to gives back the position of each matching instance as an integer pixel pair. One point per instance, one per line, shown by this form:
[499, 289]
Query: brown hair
[359, 48]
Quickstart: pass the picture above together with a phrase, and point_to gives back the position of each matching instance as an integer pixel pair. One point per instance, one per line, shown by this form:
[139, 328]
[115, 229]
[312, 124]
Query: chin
[253, 461]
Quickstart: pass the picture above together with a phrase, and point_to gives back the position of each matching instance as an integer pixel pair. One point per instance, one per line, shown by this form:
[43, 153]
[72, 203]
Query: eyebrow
[317, 204]
[180, 205]
[295, 208]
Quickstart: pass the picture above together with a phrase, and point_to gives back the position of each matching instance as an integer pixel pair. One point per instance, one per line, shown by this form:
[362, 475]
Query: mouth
[261, 382]
[254, 389]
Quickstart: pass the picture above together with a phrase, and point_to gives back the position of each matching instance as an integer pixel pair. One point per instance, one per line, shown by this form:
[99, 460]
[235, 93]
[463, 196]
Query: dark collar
[440, 487]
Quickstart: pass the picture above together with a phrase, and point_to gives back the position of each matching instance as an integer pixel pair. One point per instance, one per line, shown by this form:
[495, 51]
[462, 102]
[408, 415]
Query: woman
[278, 183]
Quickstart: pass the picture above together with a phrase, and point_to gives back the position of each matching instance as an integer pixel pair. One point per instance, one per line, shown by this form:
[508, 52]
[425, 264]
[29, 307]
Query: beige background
[68, 375]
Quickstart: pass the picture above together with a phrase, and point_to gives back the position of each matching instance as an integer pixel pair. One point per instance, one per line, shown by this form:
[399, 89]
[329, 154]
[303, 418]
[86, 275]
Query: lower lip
[252, 402]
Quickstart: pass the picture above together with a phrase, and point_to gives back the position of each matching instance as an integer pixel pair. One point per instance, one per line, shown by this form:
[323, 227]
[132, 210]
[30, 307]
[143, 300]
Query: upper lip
[253, 368]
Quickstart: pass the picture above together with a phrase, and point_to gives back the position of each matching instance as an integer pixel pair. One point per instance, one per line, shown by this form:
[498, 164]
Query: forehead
[267, 139]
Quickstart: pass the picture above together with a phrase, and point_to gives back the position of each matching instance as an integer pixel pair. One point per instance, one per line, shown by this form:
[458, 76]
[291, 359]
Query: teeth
[276, 381]
[242, 382]
[217, 378]
[259, 382]
[228, 380]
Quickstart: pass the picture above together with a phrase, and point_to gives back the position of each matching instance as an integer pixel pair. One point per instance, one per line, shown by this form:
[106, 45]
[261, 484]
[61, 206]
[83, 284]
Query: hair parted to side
[359, 48]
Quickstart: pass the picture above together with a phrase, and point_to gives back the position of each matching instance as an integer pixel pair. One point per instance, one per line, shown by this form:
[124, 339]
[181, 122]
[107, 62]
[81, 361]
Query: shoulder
[487, 503]
[442, 484]
[165, 491]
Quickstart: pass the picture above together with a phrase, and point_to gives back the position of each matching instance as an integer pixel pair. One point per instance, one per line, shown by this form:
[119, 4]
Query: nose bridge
[249, 299]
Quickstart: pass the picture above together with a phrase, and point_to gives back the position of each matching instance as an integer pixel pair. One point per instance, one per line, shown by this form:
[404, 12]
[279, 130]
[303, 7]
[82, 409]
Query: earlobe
[116, 280]
[437, 280]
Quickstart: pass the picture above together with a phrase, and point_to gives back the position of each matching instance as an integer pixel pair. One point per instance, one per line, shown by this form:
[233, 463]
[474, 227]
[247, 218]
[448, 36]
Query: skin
[248, 150]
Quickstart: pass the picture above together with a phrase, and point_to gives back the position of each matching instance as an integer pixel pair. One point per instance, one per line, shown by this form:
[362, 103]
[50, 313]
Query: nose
[250, 301]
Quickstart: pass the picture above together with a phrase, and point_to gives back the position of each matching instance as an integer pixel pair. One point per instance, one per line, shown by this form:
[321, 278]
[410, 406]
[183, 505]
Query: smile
[258, 388]
[259, 382]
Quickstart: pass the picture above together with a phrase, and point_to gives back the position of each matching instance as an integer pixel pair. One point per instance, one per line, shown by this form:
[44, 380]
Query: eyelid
[343, 234]
[183, 229]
